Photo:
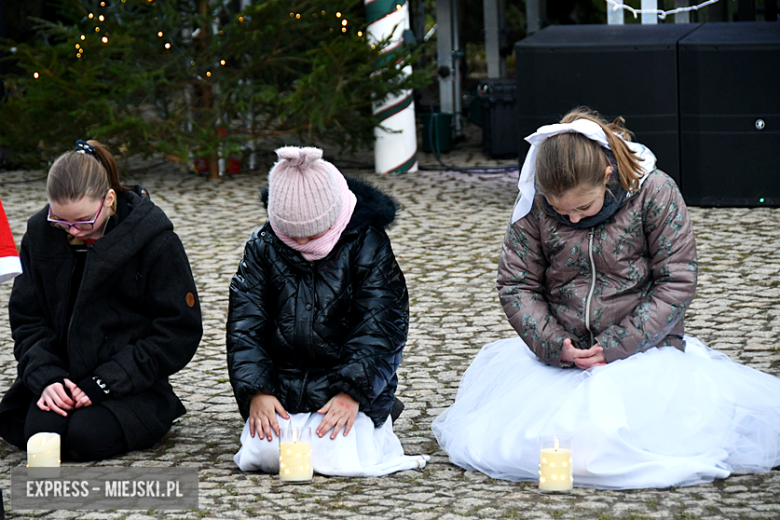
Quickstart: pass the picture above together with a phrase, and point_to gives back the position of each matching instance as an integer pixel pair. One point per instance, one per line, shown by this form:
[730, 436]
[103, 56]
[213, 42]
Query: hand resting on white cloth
[366, 451]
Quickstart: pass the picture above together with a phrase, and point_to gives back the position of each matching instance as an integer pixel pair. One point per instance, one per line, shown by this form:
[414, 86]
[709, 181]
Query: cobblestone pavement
[447, 241]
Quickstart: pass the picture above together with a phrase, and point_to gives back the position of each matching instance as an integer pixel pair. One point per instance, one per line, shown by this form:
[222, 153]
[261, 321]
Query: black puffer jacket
[305, 331]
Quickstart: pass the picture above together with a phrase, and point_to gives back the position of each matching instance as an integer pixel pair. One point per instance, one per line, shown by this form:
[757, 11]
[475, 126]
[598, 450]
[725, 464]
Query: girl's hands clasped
[78, 395]
[584, 359]
[262, 416]
[55, 398]
[340, 411]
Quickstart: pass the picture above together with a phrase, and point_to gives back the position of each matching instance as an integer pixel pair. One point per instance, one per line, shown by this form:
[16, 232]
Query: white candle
[43, 451]
[555, 468]
[295, 455]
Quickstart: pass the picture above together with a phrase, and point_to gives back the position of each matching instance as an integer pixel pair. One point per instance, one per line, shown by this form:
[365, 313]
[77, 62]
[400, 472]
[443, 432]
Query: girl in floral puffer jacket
[597, 269]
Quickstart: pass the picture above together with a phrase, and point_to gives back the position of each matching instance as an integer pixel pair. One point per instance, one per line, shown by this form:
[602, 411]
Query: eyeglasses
[82, 225]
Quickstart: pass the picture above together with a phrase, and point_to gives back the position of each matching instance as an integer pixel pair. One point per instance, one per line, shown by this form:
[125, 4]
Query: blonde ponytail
[628, 166]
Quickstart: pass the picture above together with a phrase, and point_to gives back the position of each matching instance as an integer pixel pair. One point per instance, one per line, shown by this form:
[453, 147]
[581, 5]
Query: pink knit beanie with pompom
[304, 198]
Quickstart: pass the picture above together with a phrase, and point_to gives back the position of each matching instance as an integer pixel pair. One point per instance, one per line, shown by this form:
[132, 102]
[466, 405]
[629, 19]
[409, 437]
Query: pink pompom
[298, 156]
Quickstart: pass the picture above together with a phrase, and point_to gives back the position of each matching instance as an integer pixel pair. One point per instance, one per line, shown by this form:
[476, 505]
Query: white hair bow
[585, 127]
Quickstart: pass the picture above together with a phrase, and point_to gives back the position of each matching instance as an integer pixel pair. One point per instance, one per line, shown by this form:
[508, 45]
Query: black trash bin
[499, 121]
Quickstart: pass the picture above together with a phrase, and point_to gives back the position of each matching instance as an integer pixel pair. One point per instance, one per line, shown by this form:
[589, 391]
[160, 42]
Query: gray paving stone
[447, 240]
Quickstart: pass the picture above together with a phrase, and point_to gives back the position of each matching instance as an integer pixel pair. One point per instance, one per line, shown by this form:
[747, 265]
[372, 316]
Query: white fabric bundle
[366, 452]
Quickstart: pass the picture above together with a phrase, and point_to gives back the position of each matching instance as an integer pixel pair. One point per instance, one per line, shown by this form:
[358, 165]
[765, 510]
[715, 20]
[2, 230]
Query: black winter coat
[136, 319]
[305, 331]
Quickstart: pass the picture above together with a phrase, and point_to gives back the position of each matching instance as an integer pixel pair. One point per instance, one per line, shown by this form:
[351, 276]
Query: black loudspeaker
[619, 70]
[730, 114]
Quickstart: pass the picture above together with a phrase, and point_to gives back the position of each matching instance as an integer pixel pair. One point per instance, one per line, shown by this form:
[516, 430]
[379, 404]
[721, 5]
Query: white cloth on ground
[366, 452]
[657, 419]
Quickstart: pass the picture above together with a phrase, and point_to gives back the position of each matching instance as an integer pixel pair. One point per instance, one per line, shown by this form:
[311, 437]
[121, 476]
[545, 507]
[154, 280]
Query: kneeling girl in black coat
[105, 310]
[318, 318]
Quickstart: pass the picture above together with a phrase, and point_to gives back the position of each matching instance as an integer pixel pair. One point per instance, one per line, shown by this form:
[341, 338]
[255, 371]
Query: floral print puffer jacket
[624, 284]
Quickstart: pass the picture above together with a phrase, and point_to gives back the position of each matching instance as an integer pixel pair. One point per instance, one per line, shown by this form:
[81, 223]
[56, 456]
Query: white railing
[650, 13]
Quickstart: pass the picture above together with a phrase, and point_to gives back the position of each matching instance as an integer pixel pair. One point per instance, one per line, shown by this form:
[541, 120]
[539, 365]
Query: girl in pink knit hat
[318, 319]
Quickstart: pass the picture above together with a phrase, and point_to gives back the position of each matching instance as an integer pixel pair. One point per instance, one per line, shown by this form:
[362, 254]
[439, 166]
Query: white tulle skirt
[366, 452]
[657, 419]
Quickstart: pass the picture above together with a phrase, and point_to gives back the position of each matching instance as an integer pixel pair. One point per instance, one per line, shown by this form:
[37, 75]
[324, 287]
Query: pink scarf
[318, 248]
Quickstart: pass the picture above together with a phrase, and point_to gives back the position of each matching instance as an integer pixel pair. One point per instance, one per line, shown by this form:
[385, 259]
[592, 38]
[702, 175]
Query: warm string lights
[344, 22]
[167, 44]
[83, 37]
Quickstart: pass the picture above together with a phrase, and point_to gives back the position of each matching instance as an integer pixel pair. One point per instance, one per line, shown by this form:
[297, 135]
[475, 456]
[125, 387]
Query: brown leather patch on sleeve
[190, 299]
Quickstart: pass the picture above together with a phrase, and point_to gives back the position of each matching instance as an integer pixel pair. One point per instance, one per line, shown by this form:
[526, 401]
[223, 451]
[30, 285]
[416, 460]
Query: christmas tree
[197, 79]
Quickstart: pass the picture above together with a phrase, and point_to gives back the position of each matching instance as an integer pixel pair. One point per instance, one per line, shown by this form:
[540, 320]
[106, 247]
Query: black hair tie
[84, 147]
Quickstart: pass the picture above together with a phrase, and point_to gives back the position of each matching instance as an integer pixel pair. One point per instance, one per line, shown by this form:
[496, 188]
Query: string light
[208, 73]
[101, 18]
[343, 29]
[331, 29]
[298, 16]
[77, 45]
[83, 37]
[338, 15]
[344, 22]
[397, 7]
[102, 4]
[105, 39]
[292, 15]
[97, 29]
[661, 14]
[160, 34]
[240, 19]
[35, 75]
[323, 13]
[360, 34]
[222, 62]
[167, 45]
[91, 16]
